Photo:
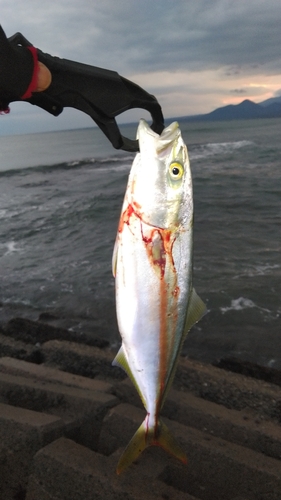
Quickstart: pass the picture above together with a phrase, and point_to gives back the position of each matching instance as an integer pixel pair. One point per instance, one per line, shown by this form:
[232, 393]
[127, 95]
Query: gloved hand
[98, 92]
[20, 73]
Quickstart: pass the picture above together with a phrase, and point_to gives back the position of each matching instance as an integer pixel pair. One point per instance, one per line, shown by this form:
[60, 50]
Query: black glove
[16, 70]
[101, 93]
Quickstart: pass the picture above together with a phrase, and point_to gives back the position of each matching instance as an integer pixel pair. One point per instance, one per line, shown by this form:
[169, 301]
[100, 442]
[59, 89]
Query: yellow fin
[196, 309]
[167, 441]
[133, 449]
[144, 438]
[121, 360]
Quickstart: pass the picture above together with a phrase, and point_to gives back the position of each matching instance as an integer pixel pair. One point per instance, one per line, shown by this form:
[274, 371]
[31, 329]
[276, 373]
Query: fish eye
[176, 171]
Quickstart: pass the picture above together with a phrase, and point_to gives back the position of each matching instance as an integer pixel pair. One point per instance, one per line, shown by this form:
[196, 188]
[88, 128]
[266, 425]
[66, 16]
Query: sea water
[60, 200]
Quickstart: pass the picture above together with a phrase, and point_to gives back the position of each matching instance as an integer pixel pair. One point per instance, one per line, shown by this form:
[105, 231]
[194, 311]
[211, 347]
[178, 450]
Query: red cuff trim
[34, 80]
[4, 111]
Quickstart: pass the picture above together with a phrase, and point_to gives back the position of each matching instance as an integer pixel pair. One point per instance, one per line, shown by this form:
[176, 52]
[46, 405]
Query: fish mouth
[169, 135]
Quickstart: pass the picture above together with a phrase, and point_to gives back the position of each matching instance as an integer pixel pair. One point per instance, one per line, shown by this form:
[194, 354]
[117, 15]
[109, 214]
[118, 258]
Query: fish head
[160, 185]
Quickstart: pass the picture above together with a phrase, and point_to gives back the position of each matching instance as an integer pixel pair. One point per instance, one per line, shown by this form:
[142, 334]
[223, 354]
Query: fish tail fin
[135, 447]
[143, 438]
[167, 441]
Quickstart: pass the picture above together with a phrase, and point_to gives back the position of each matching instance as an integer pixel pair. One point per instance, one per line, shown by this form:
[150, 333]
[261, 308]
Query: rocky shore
[66, 415]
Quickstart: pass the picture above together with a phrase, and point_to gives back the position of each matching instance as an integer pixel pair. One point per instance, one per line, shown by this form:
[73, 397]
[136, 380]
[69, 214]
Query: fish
[156, 304]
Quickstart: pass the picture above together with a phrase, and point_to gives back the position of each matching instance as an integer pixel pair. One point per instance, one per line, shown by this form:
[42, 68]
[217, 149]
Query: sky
[193, 55]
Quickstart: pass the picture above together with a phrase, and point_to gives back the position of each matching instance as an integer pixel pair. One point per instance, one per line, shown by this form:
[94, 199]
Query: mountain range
[270, 108]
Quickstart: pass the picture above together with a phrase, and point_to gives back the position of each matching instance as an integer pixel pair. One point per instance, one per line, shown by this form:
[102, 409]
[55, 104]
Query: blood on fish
[125, 217]
[147, 424]
[155, 249]
[159, 247]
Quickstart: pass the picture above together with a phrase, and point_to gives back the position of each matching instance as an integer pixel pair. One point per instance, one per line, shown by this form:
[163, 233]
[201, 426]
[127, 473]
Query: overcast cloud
[194, 55]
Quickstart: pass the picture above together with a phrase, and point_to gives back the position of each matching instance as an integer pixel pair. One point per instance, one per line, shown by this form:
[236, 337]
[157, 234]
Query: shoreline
[239, 335]
[36, 333]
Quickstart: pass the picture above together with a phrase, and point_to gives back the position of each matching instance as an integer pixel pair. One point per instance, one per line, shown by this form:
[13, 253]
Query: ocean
[60, 200]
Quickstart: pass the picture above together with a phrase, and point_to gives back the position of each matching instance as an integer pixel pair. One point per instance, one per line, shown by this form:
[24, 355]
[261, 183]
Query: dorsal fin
[196, 309]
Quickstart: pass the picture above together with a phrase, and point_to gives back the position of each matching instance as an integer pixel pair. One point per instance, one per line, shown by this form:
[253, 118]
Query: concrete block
[82, 410]
[65, 470]
[45, 428]
[22, 434]
[16, 348]
[42, 372]
[119, 427]
[227, 423]
[81, 359]
[217, 469]
[233, 390]
[33, 332]
[240, 427]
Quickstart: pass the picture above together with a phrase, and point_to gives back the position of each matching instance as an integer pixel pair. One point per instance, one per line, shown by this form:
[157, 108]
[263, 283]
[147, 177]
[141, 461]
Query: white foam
[238, 305]
[115, 168]
[17, 301]
[116, 159]
[258, 270]
[215, 148]
[271, 363]
[3, 213]
[10, 247]
[242, 303]
[73, 163]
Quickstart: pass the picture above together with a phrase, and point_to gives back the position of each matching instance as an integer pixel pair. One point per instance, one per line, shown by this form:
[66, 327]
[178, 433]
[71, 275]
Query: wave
[216, 148]
[99, 163]
[121, 161]
[9, 247]
[240, 304]
[258, 270]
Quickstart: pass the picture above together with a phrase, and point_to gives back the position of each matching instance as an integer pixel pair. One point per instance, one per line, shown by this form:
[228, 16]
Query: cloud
[238, 91]
[193, 55]
[188, 35]
[144, 36]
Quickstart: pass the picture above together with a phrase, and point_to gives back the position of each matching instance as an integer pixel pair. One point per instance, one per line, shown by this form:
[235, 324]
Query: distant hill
[271, 108]
[272, 100]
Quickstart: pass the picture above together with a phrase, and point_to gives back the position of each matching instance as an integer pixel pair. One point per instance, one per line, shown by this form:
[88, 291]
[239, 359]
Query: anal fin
[121, 361]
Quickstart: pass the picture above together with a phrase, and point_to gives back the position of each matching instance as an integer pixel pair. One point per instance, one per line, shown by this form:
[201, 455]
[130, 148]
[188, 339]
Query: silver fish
[152, 263]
